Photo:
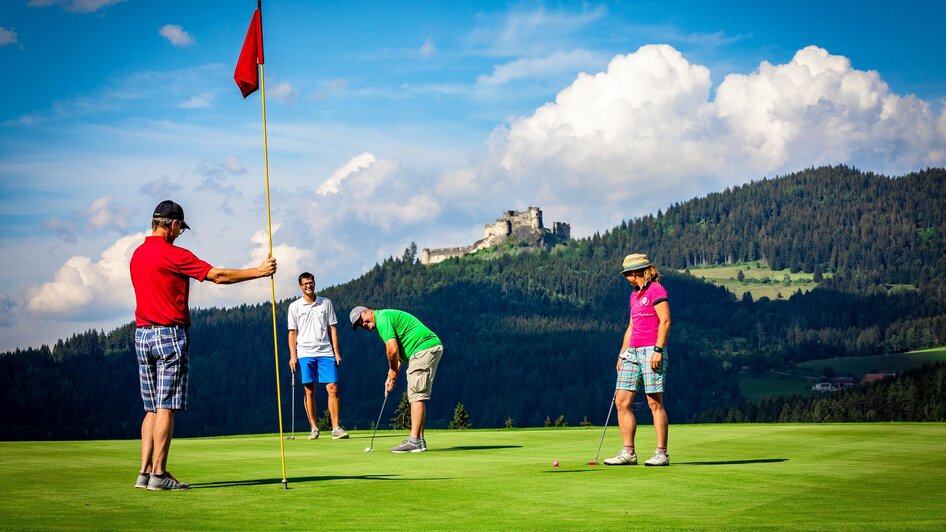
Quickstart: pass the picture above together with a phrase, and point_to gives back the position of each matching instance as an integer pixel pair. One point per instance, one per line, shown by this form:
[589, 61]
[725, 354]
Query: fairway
[825, 476]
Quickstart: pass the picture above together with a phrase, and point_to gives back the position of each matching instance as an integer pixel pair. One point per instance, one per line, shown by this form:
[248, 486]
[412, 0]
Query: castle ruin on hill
[525, 226]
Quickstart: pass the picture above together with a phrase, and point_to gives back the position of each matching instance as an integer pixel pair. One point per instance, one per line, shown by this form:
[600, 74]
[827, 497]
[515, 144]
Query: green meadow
[760, 280]
[750, 477]
[799, 378]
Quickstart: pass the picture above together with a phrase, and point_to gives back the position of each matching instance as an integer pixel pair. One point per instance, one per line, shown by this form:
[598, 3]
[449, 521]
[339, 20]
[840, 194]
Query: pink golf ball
[555, 463]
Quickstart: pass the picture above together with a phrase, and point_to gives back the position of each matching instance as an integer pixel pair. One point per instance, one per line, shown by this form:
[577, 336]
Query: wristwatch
[658, 349]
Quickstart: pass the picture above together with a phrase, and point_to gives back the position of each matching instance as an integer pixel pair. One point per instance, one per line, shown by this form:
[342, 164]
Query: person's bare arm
[394, 363]
[293, 357]
[333, 334]
[232, 276]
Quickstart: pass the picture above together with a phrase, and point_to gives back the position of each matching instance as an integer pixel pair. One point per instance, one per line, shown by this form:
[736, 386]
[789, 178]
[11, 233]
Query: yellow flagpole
[272, 281]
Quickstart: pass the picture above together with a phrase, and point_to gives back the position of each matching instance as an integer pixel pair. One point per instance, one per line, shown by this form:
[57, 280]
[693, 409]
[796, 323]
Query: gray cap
[355, 316]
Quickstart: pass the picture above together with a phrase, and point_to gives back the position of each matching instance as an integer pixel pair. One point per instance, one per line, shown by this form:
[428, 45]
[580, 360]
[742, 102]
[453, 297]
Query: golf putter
[292, 435]
[606, 421]
[370, 448]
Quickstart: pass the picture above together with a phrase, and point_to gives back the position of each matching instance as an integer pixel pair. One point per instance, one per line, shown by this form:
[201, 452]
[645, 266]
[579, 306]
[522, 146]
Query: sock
[662, 450]
[413, 439]
[162, 475]
[629, 449]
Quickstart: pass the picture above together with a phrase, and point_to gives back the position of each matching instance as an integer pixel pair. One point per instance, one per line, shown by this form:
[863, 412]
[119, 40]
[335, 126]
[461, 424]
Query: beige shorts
[421, 370]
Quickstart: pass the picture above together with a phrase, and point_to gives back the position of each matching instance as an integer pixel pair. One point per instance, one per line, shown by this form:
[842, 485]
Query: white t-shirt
[311, 322]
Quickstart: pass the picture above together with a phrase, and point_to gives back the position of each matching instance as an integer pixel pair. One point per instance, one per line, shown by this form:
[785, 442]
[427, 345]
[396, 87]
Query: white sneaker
[659, 459]
[314, 435]
[339, 433]
[622, 458]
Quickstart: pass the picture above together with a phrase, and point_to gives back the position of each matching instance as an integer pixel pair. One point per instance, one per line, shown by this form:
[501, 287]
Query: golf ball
[555, 463]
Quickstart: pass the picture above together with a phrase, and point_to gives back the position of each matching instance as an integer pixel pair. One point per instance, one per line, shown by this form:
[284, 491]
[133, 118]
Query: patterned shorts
[162, 367]
[636, 370]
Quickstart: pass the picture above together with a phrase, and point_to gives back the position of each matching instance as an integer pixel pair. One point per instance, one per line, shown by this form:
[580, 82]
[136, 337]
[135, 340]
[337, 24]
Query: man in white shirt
[313, 349]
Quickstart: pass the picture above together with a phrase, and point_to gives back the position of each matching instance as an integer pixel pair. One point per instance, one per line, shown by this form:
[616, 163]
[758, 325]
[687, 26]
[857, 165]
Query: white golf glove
[626, 354]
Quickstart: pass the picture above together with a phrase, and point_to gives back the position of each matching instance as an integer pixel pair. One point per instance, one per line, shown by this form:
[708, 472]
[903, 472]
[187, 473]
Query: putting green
[791, 476]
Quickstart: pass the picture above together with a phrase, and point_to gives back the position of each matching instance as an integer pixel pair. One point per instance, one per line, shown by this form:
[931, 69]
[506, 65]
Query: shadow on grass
[734, 462]
[474, 448]
[296, 480]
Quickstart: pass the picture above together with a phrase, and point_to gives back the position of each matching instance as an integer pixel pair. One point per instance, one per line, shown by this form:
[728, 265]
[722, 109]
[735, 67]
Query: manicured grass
[799, 379]
[825, 477]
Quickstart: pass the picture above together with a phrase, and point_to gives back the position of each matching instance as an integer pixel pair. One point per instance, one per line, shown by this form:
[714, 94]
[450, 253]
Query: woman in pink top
[643, 359]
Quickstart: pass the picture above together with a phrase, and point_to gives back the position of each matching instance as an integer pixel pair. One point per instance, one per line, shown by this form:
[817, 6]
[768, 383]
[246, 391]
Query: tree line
[918, 394]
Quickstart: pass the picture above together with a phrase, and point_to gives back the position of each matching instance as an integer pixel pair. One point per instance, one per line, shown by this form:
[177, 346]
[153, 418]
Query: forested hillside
[918, 394]
[534, 335]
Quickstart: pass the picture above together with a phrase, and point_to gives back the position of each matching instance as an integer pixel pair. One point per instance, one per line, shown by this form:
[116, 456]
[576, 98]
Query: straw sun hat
[635, 261]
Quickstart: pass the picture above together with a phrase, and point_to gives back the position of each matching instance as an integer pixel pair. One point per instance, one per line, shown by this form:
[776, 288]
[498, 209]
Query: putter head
[290, 437]
[368, 449]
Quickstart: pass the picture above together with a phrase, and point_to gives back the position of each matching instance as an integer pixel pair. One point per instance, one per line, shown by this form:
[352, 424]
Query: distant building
[526, 226]
[834, 384]
[871, 377]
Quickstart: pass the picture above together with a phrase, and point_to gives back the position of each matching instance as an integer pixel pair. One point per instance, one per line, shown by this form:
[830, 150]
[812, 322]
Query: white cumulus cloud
[176, 35]
[83, 286]
[649, 126]
[358, 162]
[291, 261]
[102, 213]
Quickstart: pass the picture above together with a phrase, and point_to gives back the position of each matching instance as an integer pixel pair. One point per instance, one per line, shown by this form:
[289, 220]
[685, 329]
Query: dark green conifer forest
[530, 336]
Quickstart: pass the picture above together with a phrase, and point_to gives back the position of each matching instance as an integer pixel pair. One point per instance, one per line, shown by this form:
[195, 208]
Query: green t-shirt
[411, 334]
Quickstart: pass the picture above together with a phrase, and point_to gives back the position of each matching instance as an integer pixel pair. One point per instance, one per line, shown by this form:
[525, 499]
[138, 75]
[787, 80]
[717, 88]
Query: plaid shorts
[162, 367]
[636, 370]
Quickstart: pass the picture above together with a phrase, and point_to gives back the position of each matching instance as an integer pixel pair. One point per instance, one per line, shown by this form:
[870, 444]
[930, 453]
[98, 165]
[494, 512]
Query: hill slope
[535, 335]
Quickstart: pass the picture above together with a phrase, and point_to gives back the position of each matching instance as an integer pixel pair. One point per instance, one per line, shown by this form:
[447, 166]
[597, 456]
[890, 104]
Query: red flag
[246, 74]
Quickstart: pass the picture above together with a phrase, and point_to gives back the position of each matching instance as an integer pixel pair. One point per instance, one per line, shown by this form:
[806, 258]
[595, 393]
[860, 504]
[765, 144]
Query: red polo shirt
[161, 274]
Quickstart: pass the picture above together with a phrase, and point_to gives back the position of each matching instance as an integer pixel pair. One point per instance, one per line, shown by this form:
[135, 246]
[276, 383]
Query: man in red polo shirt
[161, 274]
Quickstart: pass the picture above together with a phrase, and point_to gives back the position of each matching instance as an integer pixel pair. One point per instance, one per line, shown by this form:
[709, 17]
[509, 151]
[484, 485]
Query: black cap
[173, 211]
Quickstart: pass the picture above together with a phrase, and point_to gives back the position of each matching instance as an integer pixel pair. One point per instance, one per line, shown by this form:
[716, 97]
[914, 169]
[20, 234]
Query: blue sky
[397, 122]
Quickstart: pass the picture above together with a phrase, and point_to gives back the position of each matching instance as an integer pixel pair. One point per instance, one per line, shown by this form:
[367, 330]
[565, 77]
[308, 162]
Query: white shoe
[622, 458]
[314, 435]
[659, 459]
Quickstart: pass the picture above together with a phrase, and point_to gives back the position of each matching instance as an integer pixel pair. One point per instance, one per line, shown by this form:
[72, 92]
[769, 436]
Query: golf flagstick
[606, 421]
[248, 77]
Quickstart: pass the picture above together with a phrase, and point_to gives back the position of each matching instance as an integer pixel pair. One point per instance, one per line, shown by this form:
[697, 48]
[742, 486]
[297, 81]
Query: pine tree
[585, 422]
[510, 423]
[402, 415]
[461, 420]
[548, 421]
[325, 422]
[560, 421]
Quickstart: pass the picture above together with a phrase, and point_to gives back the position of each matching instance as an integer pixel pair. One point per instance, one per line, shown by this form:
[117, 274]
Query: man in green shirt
[407, 341]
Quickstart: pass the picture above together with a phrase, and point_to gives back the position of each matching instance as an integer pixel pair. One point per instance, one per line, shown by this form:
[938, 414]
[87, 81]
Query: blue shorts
[162, 367]
[322, 367]
[636, 371]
